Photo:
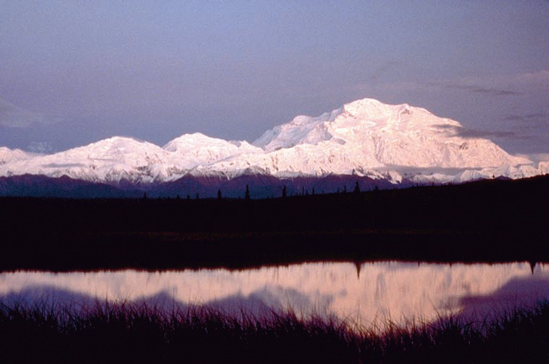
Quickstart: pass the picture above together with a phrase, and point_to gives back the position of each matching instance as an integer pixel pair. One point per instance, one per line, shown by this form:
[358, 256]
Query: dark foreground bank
[131, 333]
[495, 220]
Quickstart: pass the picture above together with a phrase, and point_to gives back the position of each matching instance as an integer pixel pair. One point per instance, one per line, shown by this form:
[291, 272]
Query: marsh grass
[132, 333]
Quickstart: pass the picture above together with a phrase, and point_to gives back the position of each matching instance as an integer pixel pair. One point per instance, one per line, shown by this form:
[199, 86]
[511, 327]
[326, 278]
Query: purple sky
[74, 72]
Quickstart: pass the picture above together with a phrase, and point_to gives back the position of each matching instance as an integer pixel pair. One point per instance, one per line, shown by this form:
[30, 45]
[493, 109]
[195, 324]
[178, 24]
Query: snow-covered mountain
[13, 155]
[109, 160]
[363, 138]
[389, 135]
[194, 150]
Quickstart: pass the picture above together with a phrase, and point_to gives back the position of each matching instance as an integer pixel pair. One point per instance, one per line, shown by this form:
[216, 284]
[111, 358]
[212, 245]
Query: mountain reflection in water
[364, 292]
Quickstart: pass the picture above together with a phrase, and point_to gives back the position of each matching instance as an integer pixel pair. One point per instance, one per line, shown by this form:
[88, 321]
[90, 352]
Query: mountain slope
[193, 150]
[108, 160]
[368, 138]
[8, 155]
[390, 135]
[363, 138]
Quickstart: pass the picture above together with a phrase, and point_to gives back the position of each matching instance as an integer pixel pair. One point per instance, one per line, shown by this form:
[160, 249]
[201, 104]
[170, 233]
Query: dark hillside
[261, 186]
[487, 220]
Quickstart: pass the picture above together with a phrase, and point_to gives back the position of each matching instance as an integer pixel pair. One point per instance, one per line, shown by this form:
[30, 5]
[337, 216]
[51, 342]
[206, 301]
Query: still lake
[363, 291]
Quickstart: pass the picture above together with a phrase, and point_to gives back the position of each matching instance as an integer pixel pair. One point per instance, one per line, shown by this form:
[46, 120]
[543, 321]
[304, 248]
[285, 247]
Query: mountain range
[365, 140]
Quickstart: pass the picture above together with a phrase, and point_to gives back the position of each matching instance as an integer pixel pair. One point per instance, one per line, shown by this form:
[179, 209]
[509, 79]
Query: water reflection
[360, 291]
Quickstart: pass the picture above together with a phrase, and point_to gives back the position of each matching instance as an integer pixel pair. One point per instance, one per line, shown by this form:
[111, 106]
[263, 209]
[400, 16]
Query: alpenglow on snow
[363, 138]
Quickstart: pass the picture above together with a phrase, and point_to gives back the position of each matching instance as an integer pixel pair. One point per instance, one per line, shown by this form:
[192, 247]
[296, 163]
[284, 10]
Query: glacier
[364, 138]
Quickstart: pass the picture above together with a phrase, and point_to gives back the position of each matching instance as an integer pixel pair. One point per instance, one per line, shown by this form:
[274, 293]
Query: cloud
[40, 147]
[522, 84]
[476, 89]
[536, 157]
[15, 117]
[537, 117]
[531, 83]
[379, 72]
[478, 133]
[538, 77]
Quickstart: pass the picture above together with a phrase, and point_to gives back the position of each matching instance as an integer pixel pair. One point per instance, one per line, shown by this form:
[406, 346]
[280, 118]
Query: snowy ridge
[193, 150]
[8, 155]
[109, 160]
[364, 138]
[398, 135]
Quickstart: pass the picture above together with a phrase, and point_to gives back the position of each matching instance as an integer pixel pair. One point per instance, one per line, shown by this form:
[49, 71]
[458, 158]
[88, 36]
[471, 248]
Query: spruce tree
[247, 195]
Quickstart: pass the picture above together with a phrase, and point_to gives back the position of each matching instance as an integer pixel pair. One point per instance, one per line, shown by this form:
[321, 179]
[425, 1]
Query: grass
[128, 332]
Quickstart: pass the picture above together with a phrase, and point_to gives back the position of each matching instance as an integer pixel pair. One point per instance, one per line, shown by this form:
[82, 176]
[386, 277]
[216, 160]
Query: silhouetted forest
[482, 221]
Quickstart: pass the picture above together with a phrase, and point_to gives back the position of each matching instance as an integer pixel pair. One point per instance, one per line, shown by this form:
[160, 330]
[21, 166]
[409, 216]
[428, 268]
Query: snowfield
[364, 138]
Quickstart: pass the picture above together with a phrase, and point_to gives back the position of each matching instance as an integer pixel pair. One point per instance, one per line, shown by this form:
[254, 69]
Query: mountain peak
[194, 140]
[8, 155]
[364, 137]
[366, 106]
[379, 134]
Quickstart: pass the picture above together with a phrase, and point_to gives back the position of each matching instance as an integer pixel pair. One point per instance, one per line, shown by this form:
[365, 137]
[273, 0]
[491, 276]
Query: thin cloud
[538, 117]
[378, 73]
[478, 133]
[536, 157]
[539, 76]
[514, 118]
[40, 147]
[13, 116]
[476, 89]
